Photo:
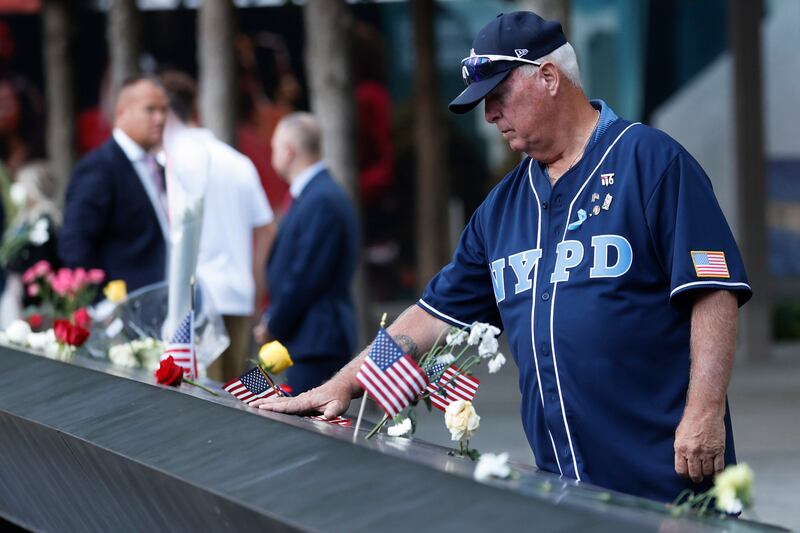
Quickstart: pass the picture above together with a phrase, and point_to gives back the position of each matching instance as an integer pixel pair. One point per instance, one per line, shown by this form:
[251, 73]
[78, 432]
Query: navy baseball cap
[508, 41]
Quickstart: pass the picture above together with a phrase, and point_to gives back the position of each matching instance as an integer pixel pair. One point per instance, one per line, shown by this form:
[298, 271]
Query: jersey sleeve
[691, 237]
[461, 293]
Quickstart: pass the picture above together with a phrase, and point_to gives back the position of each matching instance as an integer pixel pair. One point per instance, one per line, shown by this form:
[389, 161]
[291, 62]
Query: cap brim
[475, 92]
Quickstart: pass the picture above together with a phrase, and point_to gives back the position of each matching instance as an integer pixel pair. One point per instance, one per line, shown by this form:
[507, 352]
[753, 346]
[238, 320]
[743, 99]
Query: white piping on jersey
[553, 298]
[706, 283]
[533, 309]
[442, 315]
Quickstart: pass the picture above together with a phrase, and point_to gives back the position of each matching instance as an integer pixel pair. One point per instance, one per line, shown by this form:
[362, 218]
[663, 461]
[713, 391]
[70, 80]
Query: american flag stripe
[391, 377]
[371, 381]
[456, 386]
[250, 386]
[710, 265]
[181, 347]
[338, 421]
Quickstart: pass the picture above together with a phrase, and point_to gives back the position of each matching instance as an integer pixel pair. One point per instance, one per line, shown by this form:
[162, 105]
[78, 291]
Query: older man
[115, 212]
[606, 258]
[313, 260]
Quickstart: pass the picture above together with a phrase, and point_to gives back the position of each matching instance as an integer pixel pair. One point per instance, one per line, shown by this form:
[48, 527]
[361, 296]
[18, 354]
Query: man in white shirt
[114, 215]
[238, 229]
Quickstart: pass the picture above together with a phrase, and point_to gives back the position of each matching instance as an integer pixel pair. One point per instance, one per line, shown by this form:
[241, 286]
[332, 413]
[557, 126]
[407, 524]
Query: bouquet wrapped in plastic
[130, 332]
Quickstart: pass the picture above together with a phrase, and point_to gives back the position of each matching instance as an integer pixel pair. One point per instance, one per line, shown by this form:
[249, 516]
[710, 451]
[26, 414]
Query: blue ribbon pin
[581, 219]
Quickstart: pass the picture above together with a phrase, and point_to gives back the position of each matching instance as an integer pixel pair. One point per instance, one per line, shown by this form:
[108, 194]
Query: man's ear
[551, 76]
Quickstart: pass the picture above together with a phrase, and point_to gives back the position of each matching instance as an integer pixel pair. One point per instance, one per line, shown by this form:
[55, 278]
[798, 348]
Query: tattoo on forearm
[408, 345]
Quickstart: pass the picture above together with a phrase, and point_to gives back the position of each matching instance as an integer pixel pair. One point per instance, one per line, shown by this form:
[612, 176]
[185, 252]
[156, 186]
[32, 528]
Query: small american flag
[181, 347]
[457, 387]
[710, 265]
[391, 377]
[339, 420]
[251, 386]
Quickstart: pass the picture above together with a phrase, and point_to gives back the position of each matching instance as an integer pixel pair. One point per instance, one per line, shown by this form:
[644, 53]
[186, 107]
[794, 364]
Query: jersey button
[558, 200]
[545, 296]
[544, 206]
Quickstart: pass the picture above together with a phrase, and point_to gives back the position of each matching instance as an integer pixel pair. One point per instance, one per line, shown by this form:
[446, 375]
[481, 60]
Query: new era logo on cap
[521, 52]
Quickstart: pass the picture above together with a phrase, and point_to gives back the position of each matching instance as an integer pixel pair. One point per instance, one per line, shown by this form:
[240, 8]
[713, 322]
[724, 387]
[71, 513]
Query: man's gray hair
[304, 131]
[565, 59]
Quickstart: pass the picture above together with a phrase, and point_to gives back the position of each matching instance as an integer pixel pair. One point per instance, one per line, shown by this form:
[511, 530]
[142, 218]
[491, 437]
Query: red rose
[78, 335]
[62, 328]
[35, 320]
[169, 373]
[66, 333]
[81, 318]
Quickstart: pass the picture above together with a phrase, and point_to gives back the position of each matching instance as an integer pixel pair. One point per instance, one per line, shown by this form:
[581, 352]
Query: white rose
[491, 465]
[18, 332]
[456, 337]
[403, 428]
[461, 419]
[488, 346]
[496, 363]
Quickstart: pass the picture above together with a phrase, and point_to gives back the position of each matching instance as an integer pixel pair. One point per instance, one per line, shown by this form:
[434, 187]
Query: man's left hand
[700, 446]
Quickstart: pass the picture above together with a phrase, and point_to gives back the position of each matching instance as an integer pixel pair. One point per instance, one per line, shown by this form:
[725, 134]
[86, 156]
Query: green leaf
[428, 404]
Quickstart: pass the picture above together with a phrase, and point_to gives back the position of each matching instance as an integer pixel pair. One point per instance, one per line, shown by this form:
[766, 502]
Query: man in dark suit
[115, 210]
[313, 260]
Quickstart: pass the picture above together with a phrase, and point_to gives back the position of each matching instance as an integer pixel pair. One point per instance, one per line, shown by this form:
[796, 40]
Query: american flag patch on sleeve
[710, 265]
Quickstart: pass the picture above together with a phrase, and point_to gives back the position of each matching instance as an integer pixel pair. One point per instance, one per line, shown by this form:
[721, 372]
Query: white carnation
[496, 363]
[446, 359]
[491, 465]
[488, 346]
[476, 333]
[38, 341]
[398, 430]
[456, 337]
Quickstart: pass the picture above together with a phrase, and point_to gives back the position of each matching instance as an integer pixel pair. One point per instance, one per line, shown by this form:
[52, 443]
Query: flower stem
[196, 384]
[377, 427]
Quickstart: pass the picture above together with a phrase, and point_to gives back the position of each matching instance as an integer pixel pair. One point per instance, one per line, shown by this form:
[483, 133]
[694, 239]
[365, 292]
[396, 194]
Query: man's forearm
[415, 331]
[713, 343]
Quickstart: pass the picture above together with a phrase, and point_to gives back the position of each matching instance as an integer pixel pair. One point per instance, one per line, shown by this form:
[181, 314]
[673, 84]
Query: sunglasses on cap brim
[481, 67]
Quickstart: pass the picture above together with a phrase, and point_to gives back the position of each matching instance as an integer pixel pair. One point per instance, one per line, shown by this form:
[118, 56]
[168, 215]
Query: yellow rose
[274, 357]
[116, 291]
[461, 419]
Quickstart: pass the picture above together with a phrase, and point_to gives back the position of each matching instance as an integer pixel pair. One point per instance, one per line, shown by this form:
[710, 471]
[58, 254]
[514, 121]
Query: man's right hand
[330, 399]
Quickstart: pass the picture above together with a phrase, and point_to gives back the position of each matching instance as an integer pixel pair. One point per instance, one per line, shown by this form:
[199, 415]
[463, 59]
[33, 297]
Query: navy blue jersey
[592, 280]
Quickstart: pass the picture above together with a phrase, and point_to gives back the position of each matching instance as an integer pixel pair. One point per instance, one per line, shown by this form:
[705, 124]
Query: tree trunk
[122, 35]
[745, 34]
[216, 60]
[430, 133]
[329, 25]
[58, 89]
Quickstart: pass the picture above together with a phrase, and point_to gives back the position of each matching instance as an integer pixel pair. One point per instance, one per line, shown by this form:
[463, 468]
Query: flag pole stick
[366, 395]
[191, 328]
